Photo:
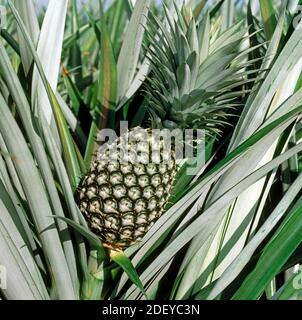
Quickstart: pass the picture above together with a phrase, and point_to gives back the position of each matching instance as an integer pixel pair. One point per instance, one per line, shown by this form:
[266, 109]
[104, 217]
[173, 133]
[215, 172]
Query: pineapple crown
[198, 72]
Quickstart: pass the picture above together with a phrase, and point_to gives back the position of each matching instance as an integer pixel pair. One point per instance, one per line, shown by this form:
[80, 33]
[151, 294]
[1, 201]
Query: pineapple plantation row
[223, 221]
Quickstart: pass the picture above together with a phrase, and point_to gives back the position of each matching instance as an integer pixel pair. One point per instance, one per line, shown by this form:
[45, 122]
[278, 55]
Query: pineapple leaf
[240, 262]
[129, 54]
[274, 256]
[268, 17]
[94, 241]
[70, 155]
[28, 15]
[124, 262]
[104, 114]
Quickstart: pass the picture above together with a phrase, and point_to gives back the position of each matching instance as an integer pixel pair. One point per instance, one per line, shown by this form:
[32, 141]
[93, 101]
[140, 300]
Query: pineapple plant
[229, 229]
[122, 197]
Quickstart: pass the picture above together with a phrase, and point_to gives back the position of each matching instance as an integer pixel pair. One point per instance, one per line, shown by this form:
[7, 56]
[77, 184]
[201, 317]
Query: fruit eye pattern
[121, 201]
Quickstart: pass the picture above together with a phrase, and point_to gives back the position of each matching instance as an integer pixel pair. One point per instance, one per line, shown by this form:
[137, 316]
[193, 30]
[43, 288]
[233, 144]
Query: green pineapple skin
[122, 200]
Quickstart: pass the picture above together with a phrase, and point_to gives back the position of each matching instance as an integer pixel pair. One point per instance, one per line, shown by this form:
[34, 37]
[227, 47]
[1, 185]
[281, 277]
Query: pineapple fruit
[127, 187]
[195, 79]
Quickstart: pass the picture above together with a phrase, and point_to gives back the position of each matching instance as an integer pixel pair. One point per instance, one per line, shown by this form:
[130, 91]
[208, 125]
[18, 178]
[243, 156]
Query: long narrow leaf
[132, 44]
